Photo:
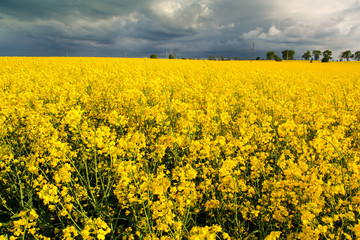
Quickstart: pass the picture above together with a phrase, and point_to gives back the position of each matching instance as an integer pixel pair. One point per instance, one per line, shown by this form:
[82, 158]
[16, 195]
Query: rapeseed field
[105, 148]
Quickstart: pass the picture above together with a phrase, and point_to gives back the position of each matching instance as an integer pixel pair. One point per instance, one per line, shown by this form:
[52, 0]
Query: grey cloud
[242, 11]
[61, 10]
[193, 27]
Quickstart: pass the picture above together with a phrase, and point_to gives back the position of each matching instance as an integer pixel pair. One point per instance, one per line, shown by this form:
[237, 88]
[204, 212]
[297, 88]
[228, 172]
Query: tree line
[348, 55]
[290, 55]
[314, 55]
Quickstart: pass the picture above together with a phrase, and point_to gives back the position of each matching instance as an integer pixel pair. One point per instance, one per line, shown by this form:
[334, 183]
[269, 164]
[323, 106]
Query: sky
[192, 28]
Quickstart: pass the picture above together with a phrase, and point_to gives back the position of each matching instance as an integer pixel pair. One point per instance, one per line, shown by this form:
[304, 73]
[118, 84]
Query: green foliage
[270, 55]
[171, 56]
[356, 56]
[153, 56]
[326, 56]
[277, 58]
[316, 54]
[306, 55]
[288, 54]
[346, 55]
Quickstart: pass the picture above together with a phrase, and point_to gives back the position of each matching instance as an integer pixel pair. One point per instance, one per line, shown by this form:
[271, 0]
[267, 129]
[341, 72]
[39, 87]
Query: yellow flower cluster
[104, 148]
[209, 233]
[95, 228]
[25, 226]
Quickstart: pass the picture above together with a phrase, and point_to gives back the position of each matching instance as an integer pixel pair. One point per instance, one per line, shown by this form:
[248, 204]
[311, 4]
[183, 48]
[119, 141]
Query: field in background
[102, 148]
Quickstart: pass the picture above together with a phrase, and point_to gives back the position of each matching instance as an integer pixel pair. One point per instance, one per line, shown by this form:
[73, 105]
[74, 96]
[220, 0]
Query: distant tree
[326, 56]
[222, 58]
[153, 56]
[316, 54]
[258, 58]
[346, 55]
[236, 58]
[356, 56]
[211, 58]
[270, 55]
[306, 55]
[277, 58]
[171, 56]
[288, 54]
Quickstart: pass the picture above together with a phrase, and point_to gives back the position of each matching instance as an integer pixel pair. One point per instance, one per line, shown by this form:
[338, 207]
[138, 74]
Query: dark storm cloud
[194, 27]
[43, 9]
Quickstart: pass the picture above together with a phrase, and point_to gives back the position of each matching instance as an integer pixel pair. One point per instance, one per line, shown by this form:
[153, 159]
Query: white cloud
[189, 14]
[253, 33]
[311, 24]
[273, 31]
[167, 8]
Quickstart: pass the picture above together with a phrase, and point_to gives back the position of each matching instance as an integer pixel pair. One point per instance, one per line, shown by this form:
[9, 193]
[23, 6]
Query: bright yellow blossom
[101, 148]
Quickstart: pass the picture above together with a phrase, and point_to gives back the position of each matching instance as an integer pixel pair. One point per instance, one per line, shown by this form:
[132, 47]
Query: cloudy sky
[195, 28]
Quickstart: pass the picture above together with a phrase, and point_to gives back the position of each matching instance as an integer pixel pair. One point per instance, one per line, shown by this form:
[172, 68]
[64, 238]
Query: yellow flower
[96, 228]
[356, 229]
[69, 232]
[179, 149]
[273, 235]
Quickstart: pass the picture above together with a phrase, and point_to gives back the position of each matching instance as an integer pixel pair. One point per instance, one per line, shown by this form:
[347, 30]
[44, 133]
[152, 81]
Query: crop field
[106, 148]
